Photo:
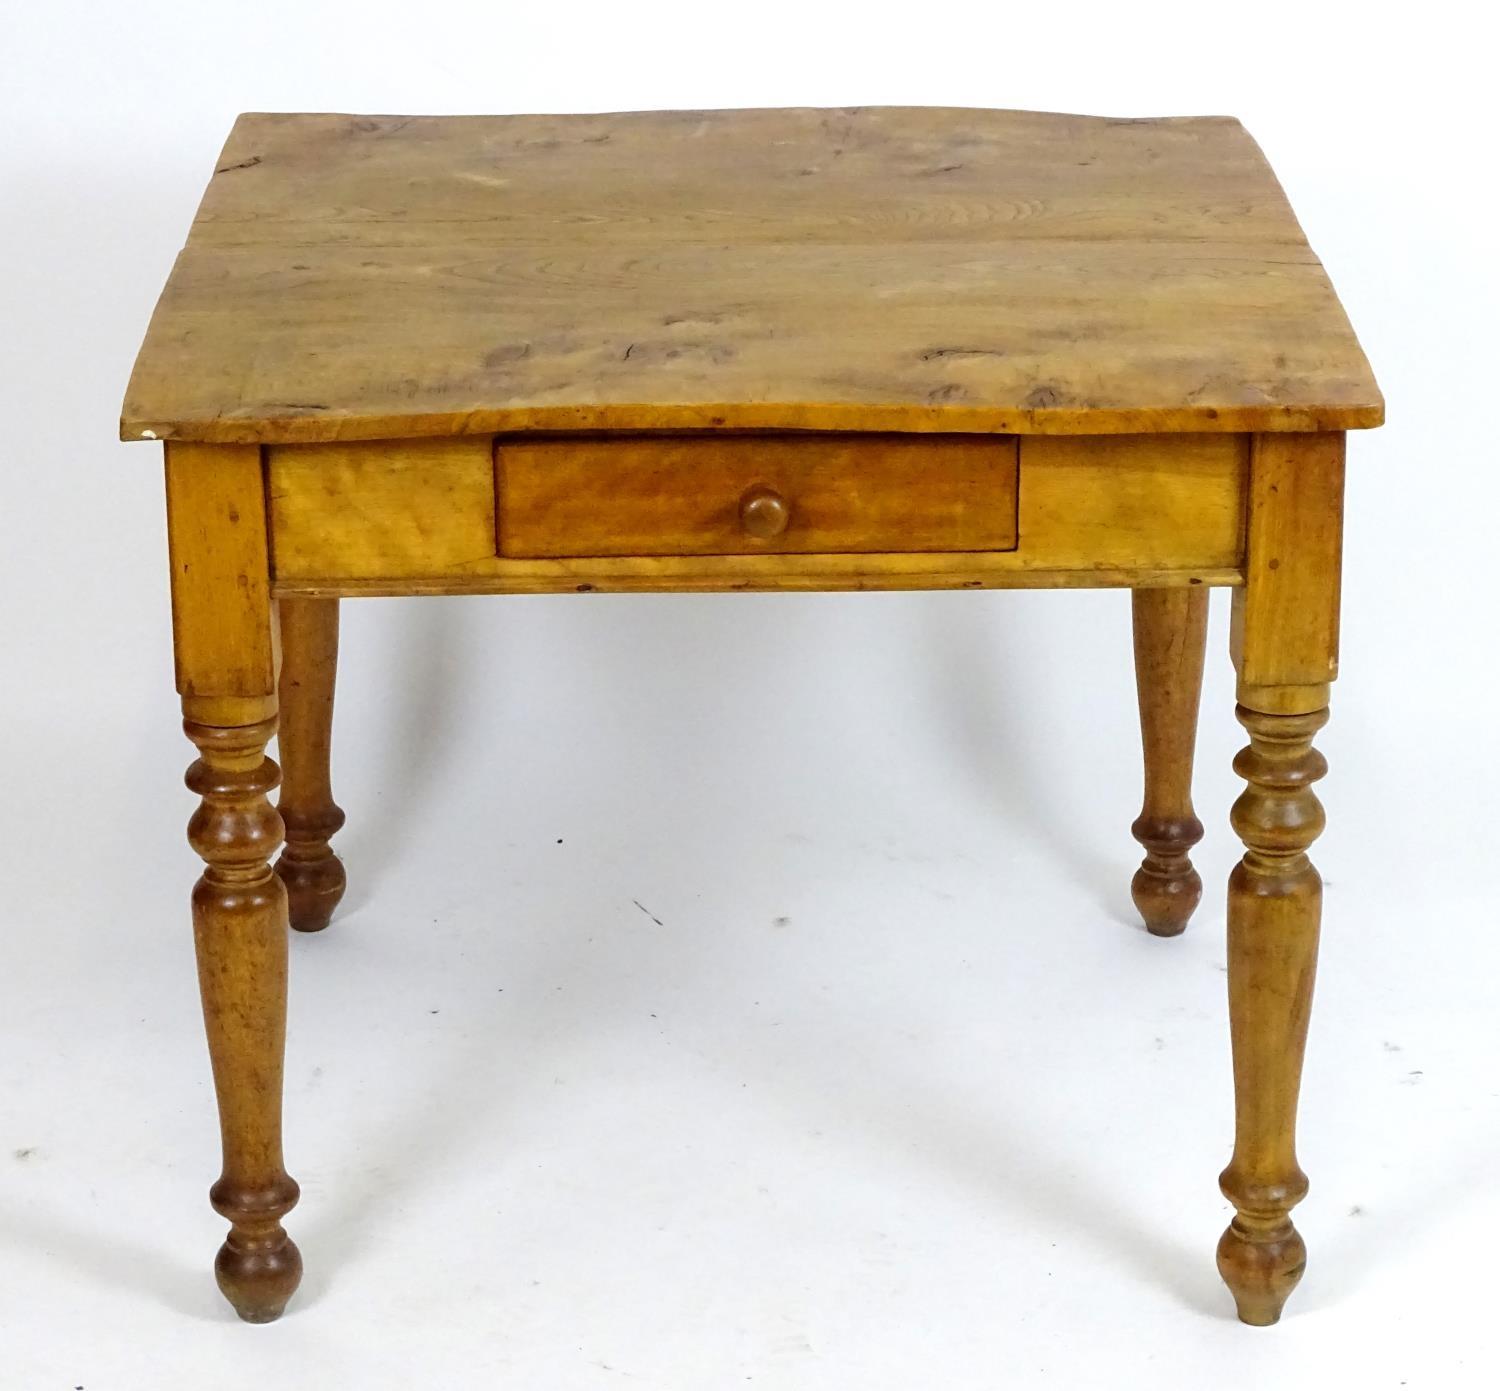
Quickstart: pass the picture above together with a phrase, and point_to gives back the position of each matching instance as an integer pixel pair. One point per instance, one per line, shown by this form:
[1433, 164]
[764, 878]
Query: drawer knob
[764, 513]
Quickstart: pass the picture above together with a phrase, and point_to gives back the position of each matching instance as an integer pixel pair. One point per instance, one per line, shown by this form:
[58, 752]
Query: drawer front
[754, 494]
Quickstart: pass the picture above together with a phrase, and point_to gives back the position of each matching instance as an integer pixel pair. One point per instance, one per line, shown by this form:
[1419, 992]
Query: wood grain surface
[907, 269]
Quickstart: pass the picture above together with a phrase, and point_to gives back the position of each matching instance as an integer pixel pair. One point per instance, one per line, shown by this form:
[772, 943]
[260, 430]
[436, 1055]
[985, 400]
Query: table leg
[224, 649]
[239, 929]
[1275, 898]
[1285, 642]
[1170, 627]
[313, 874]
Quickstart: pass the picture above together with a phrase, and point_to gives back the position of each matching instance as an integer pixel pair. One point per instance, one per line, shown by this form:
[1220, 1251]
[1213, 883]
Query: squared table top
[921, 269]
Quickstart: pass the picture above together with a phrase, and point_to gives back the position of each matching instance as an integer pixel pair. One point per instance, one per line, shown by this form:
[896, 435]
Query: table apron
[420, 516]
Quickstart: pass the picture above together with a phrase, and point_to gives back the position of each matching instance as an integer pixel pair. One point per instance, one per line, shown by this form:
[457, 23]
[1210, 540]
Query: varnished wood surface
[419, 516]
[755, 495]
[904, 269]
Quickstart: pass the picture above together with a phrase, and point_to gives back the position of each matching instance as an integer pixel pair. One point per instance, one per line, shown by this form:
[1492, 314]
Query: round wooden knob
[764, 513]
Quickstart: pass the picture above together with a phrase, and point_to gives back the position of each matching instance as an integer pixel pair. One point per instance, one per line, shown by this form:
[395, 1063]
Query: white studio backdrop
[741, 989]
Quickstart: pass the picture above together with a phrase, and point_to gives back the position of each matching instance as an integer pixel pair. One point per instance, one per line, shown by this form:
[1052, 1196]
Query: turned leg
[1170, 627]
[224, 645]
[1284, 638]
[1275, 898]
[312, 873]
[239, 927]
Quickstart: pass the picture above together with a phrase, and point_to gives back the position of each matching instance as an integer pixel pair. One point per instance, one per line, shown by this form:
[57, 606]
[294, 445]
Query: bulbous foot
[258, 1275]
[1261, 1268]
[1166, 902]
[314, 886]
[1167, 889]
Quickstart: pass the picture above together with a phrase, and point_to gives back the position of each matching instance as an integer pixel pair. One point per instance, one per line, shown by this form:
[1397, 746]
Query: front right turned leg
[1284, 638]
[1275, 903]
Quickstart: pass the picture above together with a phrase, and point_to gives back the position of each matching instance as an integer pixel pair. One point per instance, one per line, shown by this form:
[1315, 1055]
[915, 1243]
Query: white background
[896, 1094]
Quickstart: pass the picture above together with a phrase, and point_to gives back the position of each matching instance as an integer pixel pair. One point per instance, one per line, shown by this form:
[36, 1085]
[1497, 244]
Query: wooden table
[752, 350]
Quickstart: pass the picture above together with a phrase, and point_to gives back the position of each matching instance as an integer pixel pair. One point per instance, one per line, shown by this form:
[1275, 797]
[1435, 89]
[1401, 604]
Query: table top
[909, 269]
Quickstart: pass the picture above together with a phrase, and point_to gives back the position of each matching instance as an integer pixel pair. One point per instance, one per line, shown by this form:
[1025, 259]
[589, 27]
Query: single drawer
[754, 494]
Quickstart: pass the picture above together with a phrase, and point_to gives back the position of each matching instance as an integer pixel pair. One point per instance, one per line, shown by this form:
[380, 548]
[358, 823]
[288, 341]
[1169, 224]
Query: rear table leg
[313, 874]
[1170, 627]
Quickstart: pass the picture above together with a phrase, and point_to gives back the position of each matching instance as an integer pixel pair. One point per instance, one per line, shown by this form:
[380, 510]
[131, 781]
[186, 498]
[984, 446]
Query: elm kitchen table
[749, 350]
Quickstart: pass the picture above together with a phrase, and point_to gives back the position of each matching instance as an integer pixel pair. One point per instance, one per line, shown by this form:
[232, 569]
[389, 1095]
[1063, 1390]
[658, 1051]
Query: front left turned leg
[1275, 899]
[240, 931]
[313, 874]
[1170, 627]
